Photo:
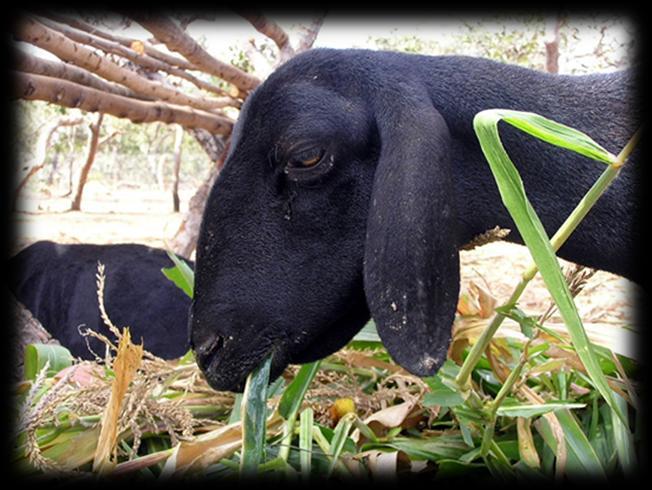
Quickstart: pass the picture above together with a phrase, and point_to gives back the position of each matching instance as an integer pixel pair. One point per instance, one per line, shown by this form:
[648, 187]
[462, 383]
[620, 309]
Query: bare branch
[68, 50]
[68, 94]
[125, 41]
[40, 66]
[270, 29]
[310, 33]
[186, 20]
[36, 33]
[142, 59]
[166, 31]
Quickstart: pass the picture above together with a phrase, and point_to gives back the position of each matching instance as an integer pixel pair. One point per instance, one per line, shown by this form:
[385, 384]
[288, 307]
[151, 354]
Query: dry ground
[131, 215]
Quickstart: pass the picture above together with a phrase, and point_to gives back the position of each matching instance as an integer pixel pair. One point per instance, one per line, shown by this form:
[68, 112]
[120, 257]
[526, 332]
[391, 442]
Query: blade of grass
[181, 274]
[623, 441]
[296, 390]
[254, 413]
[579, 445]
[305, 442]
[291, 402]
[339, 438]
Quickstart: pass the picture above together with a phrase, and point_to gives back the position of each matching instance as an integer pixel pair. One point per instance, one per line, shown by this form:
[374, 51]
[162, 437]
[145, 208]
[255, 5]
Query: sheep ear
[411, 267]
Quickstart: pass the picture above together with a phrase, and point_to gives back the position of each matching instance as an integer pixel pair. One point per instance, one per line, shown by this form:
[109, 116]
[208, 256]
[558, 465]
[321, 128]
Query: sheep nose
[210, 347]
[204, 345]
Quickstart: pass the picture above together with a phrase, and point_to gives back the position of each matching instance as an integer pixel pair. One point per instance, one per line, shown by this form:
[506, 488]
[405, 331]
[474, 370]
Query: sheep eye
[307, 159]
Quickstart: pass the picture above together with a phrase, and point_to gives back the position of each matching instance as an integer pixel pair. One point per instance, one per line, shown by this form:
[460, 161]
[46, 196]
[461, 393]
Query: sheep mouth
[226, 366]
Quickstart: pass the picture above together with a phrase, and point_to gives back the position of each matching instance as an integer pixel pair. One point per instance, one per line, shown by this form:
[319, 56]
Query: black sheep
[353, 179]
[57, 284]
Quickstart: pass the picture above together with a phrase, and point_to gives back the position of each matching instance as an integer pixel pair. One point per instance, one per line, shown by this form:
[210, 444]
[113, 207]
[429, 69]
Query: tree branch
[166, 31]
[310, 33]
[34, 32]
[125, 41]
[270, 29]
[142, 59]
[68, 94]
[40, 66]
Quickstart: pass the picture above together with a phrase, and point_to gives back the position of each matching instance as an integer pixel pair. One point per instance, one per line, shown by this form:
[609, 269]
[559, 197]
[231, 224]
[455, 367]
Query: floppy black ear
[411, 267]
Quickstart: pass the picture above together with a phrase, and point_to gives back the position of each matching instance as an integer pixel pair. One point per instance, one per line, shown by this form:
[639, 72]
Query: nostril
[209, 348]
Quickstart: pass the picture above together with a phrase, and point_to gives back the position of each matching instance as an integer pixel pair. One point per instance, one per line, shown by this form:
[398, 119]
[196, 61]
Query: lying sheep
[57, 284]
[353, 179]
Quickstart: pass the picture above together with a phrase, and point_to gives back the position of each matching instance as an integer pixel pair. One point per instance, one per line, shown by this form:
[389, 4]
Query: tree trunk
[39, 161]
[178, 140]
[185, 239]
[28, 330]
[552, 44]
[90, 159]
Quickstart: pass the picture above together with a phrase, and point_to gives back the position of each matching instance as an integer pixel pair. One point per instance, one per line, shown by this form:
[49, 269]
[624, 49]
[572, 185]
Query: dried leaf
[206, 449]
[381, 464]
[526, 448]
[84, 374]
[390, 417]
[476, 301]
[361, 360]
[126, 363]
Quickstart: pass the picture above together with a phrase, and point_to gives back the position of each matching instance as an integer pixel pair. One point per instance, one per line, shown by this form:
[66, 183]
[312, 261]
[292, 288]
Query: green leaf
[526, 322]
[556, 134]
[291, 402]
[305, 441]
[366, 338]
[36, 355]
[254, 414]
[579, 445]
[432, 448]
[296, 390]
[530, 227]
[340, 436]
[534, 410]
[441, 394]
[181, 274]
[623, 441]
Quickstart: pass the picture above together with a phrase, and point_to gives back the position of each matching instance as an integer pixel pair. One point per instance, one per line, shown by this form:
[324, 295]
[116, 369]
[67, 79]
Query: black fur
[57, 284]
[294, 261]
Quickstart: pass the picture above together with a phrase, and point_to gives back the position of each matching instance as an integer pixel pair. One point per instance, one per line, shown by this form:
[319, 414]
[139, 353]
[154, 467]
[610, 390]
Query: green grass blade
[556, 134]
[296, 390]
[305, 442]
[340, 435]
[181, 274]
[535, 410]
[236, 411]
[534, 235]
[623, 441]
[291, 402]
[578, 443]
[254, 414]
